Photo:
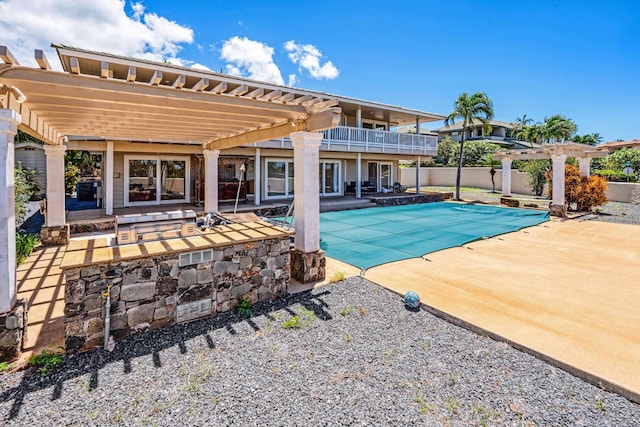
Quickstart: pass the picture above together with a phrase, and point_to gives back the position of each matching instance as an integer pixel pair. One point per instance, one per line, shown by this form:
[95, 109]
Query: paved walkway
[40, 281]
[566, 290]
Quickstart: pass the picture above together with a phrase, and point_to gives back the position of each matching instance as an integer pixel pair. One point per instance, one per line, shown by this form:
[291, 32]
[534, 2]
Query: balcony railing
[345, 138]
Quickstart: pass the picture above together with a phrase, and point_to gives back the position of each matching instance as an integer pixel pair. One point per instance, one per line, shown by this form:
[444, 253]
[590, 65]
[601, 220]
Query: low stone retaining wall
[12, 329]
[163, 290]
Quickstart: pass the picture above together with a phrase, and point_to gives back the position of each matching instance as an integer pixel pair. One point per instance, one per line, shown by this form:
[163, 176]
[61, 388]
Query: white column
[9, 120]
[558, 179]
[359, 176]
[257, 180]
[55, 215]
[417, 175]
[211, 180]
[306, 158]
[584, 163]
[506, 177]
[108, 179]
[359, 117]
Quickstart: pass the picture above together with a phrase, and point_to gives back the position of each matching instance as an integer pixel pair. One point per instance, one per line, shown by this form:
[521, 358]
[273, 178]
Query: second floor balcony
[346, 138]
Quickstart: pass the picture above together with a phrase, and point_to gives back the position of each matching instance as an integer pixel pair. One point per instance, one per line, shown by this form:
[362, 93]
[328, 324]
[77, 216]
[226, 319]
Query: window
[279, 182]
[329, 177]
[154, 180]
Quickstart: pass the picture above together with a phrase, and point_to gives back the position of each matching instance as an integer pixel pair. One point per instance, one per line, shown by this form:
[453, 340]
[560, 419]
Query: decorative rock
[412, 299]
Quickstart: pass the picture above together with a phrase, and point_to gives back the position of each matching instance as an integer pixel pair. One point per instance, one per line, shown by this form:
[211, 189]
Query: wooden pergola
[113, 98]
[558, 153]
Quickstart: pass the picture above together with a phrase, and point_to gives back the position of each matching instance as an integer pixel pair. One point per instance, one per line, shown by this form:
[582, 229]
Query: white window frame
[158, 159]
[322, 162]
[379, 173]
[265, 188]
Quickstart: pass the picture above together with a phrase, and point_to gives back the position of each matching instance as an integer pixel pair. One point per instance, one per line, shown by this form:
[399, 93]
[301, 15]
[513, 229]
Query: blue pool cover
[374, 236]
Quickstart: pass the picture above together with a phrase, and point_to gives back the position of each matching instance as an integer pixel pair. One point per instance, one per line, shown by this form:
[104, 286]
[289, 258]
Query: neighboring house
[616, 145]
[363, 149]
[501, 134]
[31, 155]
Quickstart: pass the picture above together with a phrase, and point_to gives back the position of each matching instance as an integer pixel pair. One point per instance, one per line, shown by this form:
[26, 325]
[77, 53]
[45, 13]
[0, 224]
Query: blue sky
[539, 58]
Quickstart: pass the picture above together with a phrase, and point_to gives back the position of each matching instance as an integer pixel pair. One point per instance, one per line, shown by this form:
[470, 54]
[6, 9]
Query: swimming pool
[374, 236]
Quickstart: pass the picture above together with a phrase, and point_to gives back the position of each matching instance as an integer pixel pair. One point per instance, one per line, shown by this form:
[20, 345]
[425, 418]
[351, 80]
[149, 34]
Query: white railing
[358, 139]
[391, 141]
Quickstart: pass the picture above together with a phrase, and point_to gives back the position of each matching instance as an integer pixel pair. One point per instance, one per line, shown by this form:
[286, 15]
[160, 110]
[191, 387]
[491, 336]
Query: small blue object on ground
[412, 299]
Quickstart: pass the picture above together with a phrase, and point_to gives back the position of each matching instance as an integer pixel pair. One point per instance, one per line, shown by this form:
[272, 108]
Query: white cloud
[102, 25]
[197, 66]
[308, 57]
[250, 58]
[293, 79]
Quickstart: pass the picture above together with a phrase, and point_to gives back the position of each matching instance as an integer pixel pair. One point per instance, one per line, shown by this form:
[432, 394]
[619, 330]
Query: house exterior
[617, 145]
[501, 134]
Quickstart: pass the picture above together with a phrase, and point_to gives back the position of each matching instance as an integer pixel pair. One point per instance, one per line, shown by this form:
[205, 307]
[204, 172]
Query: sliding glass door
[152, 180]
[279, 182]
[329, 178]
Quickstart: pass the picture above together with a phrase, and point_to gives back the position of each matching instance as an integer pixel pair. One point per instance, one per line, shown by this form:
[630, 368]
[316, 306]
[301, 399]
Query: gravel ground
[622, 213]
[358, 358]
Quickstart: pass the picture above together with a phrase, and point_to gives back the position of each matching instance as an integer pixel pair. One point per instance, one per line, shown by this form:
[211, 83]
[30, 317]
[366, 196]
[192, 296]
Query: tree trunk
[464, 129]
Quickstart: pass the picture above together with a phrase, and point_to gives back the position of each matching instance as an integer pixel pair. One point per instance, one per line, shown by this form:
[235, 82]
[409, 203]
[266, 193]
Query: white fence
[480, 177]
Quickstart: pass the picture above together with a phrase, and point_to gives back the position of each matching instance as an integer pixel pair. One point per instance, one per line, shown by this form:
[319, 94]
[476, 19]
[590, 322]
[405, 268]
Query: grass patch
[46, 361]
[302, 320]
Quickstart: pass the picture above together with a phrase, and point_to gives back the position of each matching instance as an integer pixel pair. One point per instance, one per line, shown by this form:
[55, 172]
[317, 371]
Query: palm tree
[520, 124]
[589, 139]
[469, 108]
[488, 160]
[558, 127]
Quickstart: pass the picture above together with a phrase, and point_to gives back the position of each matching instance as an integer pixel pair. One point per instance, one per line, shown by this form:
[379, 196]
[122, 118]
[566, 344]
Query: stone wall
[54, 236]
[12, 330]
[156, 292]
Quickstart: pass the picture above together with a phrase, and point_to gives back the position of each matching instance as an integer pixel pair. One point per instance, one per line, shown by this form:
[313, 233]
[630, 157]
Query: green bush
[25, 243]
[616, 161]
[615, 176]
[536, 174]
[71, 178]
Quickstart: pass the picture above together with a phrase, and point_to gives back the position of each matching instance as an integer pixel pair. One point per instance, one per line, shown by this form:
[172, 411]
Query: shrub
[616, 176]
[586, 192]
[536, 174]
[25, 243]
[71, 178]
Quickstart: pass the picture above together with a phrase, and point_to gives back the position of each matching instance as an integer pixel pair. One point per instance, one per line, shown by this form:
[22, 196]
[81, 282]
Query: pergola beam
[7, 56]
[41, 59]
[316, 122]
